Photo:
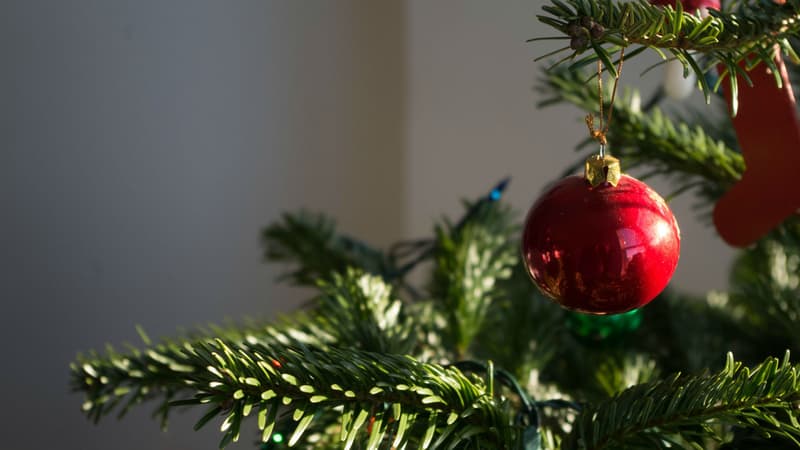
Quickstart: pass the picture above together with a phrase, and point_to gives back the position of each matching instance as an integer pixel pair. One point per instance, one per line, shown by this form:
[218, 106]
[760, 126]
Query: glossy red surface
[601, 250]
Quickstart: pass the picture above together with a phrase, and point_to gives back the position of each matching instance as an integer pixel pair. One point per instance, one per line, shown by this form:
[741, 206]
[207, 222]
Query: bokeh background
[144, 144]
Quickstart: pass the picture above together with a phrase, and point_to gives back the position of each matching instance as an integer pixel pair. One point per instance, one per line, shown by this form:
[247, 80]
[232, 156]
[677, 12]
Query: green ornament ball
[598, 328]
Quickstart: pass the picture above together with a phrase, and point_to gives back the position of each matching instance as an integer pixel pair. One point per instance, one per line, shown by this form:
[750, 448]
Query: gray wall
[142, 147]
[144, 144]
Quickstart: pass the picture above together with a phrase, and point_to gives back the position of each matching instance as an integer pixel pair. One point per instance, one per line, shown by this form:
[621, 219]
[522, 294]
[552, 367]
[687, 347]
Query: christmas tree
[476, 356]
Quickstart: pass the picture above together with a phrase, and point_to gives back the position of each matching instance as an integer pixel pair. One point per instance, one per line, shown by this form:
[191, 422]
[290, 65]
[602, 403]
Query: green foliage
[470, 259]
[690, 332]
[521, 328]
[360, 311]
[687, 408]
[260, 375]
[653, 139]
[330, 365]
[766, 287]
[742, 36]
[310, 241]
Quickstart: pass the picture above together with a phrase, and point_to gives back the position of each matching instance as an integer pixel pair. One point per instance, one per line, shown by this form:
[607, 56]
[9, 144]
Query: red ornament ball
[601, 250]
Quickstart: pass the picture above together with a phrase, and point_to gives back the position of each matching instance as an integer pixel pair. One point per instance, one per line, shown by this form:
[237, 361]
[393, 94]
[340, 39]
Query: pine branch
[361, 312]
[313, 244]
[766, 286]
[521, 327]
[653, 139]
[354, 311]
[264, 375]
[621, 371]
[764, 398]
[470, 259]
[688, 333]
[748, 439]
[586, 369]
[747, 33]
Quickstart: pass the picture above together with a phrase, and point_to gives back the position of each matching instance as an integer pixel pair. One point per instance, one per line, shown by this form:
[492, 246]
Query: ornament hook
[599, 134]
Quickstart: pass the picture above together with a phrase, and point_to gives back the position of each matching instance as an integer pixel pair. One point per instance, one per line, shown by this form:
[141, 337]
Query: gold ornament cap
[602, 169]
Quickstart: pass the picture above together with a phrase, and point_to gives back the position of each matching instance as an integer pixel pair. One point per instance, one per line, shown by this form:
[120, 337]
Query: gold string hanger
[601, 169]
[599, 134]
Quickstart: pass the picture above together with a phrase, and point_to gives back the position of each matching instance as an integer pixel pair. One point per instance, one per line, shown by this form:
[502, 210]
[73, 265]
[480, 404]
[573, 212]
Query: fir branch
[765, 398]
[263, 375]
[470, 259]
[360, 311]
[689, 332]
[621, 371]
[749, 439]
[313, 244]
[354, 310]
[747, 33]
[521, 327]
[766, 285]
[654, 139]
[751, 24]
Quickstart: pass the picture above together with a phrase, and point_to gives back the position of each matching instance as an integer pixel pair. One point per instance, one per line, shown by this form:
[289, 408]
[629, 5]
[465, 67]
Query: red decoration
[769, 135]
[689, 5]
[601, 250]
[768, 132]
